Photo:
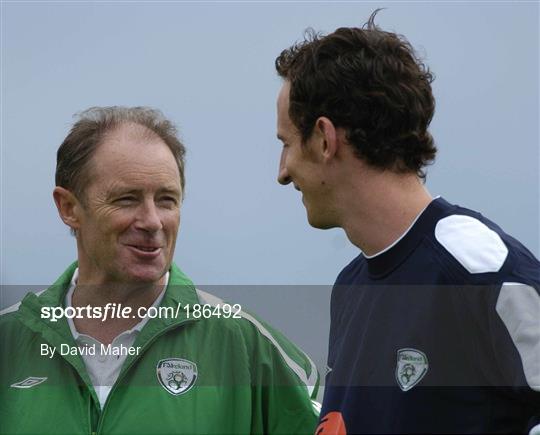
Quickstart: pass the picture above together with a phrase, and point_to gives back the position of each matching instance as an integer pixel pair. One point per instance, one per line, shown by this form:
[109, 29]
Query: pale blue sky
[209, 67]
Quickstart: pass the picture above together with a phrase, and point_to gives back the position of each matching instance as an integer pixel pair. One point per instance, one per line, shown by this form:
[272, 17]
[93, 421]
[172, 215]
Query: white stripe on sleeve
[309, 381]
[518, 307]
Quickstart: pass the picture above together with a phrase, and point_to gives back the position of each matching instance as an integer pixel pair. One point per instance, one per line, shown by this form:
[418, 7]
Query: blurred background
[209, 66]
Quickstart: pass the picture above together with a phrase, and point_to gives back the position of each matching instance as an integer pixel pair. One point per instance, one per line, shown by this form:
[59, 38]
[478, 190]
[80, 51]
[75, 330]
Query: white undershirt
[104, 369]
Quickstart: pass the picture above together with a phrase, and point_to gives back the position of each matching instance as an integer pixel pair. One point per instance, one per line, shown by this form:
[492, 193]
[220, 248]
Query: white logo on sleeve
[30, 382]
[176, 375]
[412, 366]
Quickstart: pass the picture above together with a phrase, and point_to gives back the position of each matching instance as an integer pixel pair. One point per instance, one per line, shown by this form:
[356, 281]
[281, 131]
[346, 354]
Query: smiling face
[127, 227]
[300, 165]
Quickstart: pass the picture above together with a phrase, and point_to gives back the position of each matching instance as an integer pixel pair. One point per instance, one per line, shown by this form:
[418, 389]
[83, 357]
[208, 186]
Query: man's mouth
[146, 248]
[150, 249]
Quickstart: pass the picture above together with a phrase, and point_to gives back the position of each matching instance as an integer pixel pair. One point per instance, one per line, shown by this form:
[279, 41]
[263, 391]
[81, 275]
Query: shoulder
[12, 329]
[9, 315]
[253, 328]
[508, 275]
[9, 310]
[471, 242]
[11, 323]
[263, 340]
[481, 247]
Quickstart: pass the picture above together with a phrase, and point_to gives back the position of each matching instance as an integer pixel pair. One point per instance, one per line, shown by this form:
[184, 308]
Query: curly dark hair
[370, 83]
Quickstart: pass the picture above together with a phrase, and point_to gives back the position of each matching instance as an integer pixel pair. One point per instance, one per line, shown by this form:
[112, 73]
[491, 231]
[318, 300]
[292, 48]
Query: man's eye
[125, 199]
[169, 200]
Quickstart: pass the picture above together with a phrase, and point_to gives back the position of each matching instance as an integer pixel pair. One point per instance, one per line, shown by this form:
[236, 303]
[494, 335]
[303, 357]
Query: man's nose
[149, 219]
[283, 174]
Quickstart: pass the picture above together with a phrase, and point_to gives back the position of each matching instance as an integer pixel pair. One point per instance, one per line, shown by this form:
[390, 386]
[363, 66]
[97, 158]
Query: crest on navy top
[176, 375]
[412, 366]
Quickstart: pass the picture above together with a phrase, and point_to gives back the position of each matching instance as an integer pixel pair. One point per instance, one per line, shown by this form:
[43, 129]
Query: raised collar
[134, 330]
[180, 290]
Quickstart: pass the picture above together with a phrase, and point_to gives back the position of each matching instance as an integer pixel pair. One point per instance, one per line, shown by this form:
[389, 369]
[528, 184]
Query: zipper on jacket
[92, 432]
[91, 418]
[123, 374]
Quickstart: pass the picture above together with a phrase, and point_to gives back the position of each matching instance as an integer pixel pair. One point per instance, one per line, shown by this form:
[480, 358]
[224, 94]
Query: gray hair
[87, 133]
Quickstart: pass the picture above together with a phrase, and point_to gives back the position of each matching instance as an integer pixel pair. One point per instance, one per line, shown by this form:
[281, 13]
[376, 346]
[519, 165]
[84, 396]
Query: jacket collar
[180, 290]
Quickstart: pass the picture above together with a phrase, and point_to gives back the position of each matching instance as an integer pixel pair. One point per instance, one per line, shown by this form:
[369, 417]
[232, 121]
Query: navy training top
[439, 333]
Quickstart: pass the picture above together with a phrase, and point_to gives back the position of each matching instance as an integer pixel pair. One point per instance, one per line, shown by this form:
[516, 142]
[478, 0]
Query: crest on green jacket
[176, 375]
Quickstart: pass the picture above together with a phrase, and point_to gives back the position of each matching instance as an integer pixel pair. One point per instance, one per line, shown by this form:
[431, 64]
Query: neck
[133, 295]
[381, 212]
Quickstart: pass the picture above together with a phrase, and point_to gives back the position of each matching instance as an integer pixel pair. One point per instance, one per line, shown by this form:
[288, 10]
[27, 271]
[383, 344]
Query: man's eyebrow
[122, 191]
[172, 190]
[119, 191]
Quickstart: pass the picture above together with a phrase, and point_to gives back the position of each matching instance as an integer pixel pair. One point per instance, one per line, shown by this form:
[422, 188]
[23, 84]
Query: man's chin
[145, 274]
[320, 223]
[143, 270]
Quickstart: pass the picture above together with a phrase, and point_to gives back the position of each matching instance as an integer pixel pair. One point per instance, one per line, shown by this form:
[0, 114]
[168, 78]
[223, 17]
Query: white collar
[395, 242]
[136, 329]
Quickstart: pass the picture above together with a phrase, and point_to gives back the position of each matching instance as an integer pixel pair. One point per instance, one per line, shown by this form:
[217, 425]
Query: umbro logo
[30, 382]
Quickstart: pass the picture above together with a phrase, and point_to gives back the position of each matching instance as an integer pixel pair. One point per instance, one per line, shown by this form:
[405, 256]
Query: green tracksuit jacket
[246, 377]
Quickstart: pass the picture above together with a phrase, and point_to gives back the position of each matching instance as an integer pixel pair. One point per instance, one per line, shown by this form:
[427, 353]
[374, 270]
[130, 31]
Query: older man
[435, 326]
[83, 357]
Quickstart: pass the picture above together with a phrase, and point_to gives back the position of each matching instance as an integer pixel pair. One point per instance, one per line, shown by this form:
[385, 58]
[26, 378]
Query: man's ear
[328, 137]
[68, 207]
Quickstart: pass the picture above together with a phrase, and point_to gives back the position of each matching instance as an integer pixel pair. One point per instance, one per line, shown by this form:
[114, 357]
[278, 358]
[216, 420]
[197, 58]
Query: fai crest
[412, 365]
[176, 375]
